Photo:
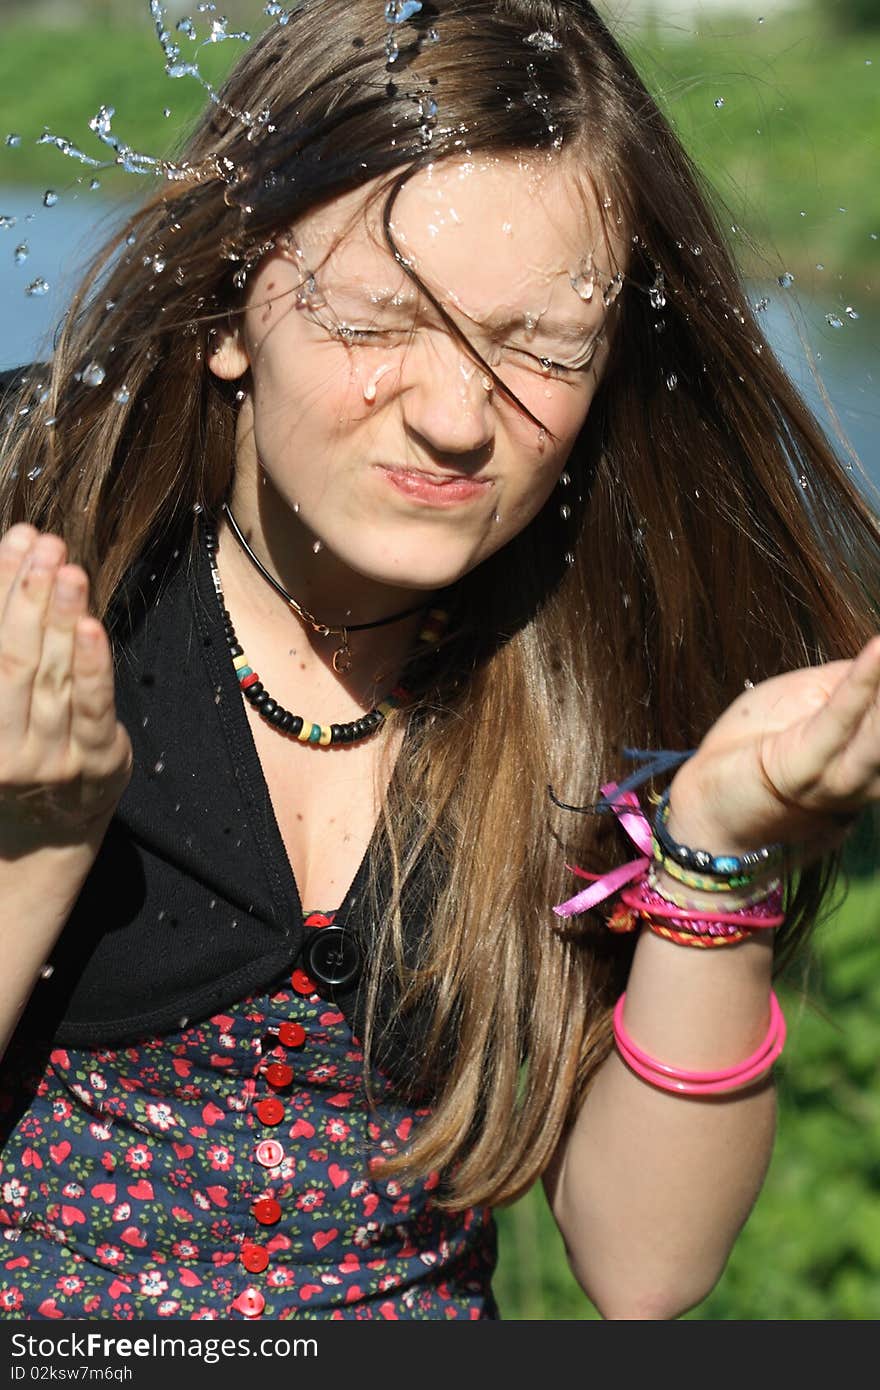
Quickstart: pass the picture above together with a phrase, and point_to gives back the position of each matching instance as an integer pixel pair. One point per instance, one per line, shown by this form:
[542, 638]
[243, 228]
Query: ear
[228, 358]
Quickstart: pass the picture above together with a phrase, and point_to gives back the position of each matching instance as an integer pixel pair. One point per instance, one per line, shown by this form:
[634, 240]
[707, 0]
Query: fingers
[49, 716]
[21, 628]
[837, 723]
[93, 704]
[13, 548]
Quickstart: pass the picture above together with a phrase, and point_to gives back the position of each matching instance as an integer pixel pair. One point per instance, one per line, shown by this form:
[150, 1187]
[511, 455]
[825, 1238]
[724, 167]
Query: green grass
[797, 132]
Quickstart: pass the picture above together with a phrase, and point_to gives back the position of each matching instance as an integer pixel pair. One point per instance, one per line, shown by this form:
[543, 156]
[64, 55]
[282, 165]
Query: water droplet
[316, 546]
[239, 397]
[35, 473]
[93, 374]
[487, 383]
[583, 280]
[820, 265]
[697, 250]
[671, 381]
[50, 198]
[785, 280]
[568, 557]
[6, 222]
[399, 11]
[543, 40]
[94, 185]
[122, 395]
[37, 288]
[612, 290]
[21, 253]
[109, 305]
[13, 141]
[47, 971]
[850, 312]
[748, 684]
[657, 292]
[158, 766]
[166, 112]
[565, 512]
[295, 508]
[761, 304]
[197, 508]
[565, 480]
[719, 102]
[833, 321]
[542, 437]
[496, 516]
[803, 481]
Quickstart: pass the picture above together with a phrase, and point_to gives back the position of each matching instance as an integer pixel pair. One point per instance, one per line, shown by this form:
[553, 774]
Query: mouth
[429, 485]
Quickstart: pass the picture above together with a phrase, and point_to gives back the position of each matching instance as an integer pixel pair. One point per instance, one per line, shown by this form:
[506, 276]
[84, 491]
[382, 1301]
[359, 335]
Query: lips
[428, 487]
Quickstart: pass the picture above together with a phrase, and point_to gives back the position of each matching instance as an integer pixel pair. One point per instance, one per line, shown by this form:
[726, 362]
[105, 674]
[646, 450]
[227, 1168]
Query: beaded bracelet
[718, 865]
[702, 1083]
[704, 883]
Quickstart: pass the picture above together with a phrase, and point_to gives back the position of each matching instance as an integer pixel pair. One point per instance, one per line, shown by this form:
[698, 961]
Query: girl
[412, 454]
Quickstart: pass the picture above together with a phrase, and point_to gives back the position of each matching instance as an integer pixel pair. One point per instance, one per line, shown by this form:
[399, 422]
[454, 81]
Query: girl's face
[377, 428]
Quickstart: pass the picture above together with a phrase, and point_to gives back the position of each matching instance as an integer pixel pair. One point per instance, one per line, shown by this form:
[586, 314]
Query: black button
[332, 957]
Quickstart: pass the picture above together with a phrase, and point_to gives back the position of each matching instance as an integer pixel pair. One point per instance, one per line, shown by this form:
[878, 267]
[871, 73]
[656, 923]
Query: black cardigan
[191, 903]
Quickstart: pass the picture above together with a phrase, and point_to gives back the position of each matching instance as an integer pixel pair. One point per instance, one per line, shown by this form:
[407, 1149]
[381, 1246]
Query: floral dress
[225, 1171]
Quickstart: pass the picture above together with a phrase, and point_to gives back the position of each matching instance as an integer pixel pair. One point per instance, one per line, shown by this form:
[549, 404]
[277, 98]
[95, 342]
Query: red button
[251, 1303]
[267, 1211]
[277, 1074]
[270, 1111]
[291, 1035]
[269, 1153]
[303, 983]
[254, 1258]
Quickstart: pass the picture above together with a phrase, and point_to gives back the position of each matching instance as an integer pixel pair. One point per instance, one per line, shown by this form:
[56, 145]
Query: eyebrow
[560, 329]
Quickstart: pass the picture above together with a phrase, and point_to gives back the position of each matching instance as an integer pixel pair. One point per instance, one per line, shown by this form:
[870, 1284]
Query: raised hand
[65, 759]
[793, 759]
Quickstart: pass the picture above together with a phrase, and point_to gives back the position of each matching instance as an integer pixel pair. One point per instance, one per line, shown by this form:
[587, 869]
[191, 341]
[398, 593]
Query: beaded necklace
[304, 730]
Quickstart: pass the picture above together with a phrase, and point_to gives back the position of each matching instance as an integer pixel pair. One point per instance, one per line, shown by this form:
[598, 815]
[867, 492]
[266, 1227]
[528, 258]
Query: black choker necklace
[305, 730]
[342, 655]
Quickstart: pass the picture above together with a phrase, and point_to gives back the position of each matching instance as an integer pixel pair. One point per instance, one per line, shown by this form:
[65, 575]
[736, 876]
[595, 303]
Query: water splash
[785, 280]
[833, 321]
[543, 40]
[13, 140]
[65, 146]
[37, 288]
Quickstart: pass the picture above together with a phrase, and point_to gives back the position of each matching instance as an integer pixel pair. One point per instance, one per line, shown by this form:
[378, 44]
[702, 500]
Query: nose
[445, 400]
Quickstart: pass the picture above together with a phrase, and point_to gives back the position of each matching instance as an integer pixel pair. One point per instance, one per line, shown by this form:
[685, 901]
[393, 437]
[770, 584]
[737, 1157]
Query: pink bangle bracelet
[685, 1082]
[664, 908]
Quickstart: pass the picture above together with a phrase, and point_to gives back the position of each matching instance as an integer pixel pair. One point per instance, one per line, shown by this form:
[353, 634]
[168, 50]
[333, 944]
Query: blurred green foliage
[781, 116]
[811, 1247]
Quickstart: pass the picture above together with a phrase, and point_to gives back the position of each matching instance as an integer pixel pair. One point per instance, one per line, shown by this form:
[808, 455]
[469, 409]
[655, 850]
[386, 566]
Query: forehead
[484, 233]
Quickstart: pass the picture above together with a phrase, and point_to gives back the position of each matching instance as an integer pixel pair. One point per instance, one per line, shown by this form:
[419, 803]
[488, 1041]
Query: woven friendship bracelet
[731, 902]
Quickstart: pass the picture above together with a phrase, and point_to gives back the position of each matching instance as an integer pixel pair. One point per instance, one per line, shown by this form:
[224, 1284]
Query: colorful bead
[249, 680]
[326, 735]
[239, 661]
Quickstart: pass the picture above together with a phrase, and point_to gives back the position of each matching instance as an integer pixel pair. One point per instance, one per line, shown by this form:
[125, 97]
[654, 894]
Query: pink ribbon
[638, 829]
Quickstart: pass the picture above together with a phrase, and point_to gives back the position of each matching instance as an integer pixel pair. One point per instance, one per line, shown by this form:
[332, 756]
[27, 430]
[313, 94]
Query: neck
[325, 587]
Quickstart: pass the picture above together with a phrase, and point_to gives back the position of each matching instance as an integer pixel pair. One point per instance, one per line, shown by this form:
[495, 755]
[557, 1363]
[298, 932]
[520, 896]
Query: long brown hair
[713, 536]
